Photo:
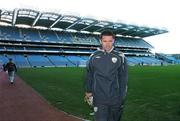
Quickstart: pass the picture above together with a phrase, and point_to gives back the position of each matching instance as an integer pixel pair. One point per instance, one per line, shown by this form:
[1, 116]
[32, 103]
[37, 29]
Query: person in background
[11, 68]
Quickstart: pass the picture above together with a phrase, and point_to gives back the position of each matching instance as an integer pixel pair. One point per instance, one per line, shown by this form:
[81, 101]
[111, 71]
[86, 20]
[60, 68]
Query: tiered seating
[84, 39]
[60, 60]
[3, 59]
[79, 38]
[132, 42]
[54, 37]
[48, 36]
[39, 60]
[64, 37]
[9, 33]
[85, 57]
[152, 60]
[171, 58]
[130, 60]
[78, 61]
[21, 61]
[30, 34]
[145, 60]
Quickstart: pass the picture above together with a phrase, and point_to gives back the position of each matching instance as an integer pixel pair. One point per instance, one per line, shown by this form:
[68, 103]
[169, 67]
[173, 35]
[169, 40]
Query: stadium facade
[41, 39]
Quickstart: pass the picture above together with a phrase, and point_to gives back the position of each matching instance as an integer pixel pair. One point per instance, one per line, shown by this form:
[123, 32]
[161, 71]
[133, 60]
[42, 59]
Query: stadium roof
[51, 20]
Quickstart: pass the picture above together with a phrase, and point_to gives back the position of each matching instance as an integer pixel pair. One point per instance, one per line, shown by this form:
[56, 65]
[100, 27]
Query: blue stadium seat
[76, 60]
[49, 36]
[30, 34]
[39, 61]
[3, 59]
[59, 60]
[10, 33]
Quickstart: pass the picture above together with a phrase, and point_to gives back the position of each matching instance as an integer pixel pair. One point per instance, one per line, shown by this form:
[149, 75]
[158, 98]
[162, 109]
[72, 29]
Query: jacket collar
[100, 49]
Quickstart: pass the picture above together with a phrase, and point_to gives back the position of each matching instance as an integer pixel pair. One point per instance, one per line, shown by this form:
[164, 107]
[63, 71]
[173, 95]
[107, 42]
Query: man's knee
[101, 112]
[115, 113]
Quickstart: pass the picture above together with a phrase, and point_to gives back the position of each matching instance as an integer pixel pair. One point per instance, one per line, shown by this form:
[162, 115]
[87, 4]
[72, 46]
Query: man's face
[107, 42]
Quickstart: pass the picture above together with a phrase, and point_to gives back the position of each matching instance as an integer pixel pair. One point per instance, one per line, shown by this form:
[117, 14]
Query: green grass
[153, 93]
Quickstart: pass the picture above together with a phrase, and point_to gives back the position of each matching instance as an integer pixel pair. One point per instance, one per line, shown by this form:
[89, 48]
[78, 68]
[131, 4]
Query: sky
[152, 13]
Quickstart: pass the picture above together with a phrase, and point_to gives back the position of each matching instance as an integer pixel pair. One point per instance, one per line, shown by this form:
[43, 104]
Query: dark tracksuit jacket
[107, 77]
[10, 66]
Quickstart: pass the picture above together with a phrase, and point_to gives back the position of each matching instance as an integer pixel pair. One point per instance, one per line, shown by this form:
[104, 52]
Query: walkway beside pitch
[19, 102]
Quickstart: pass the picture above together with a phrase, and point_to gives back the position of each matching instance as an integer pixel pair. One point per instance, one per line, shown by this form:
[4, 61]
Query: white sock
[11, 79]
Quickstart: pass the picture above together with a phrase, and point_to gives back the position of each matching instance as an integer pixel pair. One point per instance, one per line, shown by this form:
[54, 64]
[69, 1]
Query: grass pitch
[153, 91]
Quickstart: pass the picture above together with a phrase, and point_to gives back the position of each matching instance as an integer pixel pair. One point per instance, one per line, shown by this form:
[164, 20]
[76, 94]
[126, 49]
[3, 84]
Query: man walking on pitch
[106, 80]
[11, 68]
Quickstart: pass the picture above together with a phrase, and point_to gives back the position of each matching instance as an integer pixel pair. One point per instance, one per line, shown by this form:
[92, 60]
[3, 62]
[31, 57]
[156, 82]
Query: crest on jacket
[114, 59]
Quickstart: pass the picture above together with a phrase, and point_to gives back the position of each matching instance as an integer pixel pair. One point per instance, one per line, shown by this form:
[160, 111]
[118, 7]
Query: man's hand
[88, 98]
[88, 94]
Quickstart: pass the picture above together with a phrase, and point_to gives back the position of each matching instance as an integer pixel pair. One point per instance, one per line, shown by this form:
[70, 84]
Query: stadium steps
[70, 61]
[57, 36]
[28, 62]
[84, 58]
[40, 35]
[130, 61]
[51, 61]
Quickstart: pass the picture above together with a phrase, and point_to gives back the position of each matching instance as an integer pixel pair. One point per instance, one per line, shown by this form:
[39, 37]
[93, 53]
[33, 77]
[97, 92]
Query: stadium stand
[30, 34]
[51, 39]
[171, 58]
[38, 60]
[61, 61]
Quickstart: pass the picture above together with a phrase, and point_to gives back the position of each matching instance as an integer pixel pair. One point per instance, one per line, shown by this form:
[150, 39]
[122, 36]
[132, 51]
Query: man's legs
[115, 112]
[11, 76]
[101, 112]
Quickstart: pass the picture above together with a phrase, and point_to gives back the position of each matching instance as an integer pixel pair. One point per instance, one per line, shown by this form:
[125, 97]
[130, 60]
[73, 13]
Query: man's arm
[89, 79]
[124, 79]
[125, 72]
[15, 67]
[6, 66]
